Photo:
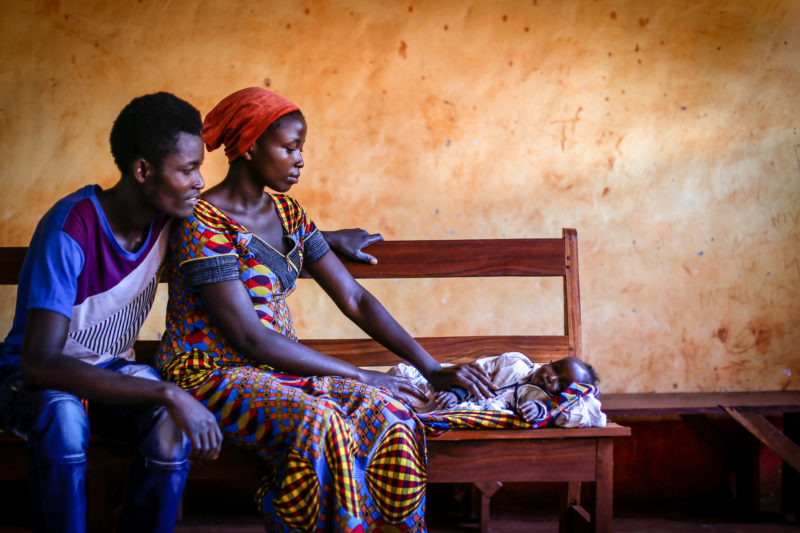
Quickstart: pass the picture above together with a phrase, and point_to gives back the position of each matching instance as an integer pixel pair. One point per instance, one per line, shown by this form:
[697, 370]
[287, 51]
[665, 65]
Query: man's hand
[197, 423]
[349, 242]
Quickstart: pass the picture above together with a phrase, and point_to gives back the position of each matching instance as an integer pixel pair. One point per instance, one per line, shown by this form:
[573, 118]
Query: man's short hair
[148, 128]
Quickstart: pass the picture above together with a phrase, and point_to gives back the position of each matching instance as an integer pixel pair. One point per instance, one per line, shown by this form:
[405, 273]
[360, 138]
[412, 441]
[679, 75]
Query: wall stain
[556, 181]
[441, 120]
[757, 335]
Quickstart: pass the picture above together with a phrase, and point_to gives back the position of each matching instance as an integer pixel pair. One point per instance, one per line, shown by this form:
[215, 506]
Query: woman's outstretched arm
[232, 312]
[360, 306]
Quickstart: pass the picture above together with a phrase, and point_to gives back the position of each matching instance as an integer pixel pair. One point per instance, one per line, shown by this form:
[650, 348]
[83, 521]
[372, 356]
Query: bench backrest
[442, 259]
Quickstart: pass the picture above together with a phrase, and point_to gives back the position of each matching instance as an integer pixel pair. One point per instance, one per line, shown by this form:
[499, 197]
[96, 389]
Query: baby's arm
[445, 399]
[532, 411]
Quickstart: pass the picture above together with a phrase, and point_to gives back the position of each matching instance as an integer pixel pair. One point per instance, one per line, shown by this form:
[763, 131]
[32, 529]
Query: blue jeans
[56, 427]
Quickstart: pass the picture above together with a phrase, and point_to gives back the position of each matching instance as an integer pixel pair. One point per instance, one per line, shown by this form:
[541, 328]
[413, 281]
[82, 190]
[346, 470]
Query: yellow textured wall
[666, 132]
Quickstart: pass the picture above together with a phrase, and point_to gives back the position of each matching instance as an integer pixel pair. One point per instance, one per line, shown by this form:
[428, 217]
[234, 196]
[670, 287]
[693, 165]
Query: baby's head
[556, 376]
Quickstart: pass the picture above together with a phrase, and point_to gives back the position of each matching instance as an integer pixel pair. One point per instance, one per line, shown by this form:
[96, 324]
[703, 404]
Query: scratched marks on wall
[797, 156]
[568, 127]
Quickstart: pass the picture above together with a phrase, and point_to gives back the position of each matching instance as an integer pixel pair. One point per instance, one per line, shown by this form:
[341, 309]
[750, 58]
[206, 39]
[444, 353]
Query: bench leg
[603, 504]
[570, 507]
[573, 516]
[748, 473]
[487, 490]
[790, 478]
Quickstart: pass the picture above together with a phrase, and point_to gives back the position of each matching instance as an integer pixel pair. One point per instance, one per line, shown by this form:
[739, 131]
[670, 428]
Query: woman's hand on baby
[350, 242]
[469, 376]
[400, 387]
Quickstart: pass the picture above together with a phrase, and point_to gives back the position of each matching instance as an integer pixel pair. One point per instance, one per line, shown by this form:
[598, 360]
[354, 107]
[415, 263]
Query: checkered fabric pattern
[339, 455]
[439, 421]
[333, 447]
[396, 475]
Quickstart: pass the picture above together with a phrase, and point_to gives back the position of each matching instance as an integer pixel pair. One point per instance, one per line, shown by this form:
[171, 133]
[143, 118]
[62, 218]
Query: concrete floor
[513, 522]
[511, 515]
[510, 524]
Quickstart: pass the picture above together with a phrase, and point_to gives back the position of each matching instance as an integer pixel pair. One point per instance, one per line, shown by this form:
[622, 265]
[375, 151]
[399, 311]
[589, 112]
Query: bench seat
[485, 458]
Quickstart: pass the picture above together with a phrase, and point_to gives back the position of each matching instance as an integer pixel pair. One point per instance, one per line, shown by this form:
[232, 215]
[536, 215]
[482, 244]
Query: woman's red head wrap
[240, 118]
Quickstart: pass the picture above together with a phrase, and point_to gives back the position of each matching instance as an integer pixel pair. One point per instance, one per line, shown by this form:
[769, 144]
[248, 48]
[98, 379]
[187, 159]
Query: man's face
[175, 189]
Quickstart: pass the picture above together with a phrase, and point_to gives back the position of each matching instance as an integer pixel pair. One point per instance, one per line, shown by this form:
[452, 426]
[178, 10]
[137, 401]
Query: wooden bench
[750, 410]
[485, 458]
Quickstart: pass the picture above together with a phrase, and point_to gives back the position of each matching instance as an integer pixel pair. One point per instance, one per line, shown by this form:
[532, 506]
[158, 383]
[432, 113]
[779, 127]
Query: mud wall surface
[665, 132]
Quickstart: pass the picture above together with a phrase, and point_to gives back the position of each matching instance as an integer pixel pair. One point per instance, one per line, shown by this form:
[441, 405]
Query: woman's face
[277, 155]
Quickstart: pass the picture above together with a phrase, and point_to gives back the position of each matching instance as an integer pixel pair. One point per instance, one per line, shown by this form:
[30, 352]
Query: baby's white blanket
[510, 372]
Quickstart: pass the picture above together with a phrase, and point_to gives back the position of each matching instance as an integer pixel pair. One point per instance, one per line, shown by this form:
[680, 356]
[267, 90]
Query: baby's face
[556, 376]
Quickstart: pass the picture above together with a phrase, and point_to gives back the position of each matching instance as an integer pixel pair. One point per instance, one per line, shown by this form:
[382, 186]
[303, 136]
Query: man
[87, 283]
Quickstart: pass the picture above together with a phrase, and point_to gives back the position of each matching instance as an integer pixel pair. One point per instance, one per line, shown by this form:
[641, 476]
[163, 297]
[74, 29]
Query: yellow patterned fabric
[339, 455]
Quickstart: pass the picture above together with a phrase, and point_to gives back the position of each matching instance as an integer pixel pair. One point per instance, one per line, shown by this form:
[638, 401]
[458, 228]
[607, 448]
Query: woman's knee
[334, 424]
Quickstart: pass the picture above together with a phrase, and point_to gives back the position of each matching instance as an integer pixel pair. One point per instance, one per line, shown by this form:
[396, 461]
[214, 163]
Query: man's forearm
[92, 382]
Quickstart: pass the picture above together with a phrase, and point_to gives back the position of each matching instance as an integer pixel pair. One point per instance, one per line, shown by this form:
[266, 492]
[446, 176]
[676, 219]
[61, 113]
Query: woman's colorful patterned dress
[340, 455]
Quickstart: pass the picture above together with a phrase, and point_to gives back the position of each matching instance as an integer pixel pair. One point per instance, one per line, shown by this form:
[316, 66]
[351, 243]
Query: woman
[342, 452]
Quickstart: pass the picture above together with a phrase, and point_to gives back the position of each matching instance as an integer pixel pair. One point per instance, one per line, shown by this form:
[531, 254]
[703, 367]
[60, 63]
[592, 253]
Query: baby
[520, 385]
